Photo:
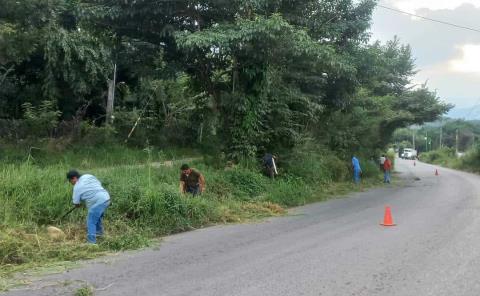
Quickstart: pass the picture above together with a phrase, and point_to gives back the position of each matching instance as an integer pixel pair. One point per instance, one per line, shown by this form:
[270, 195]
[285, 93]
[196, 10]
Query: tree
[49, 56]
[246, 75]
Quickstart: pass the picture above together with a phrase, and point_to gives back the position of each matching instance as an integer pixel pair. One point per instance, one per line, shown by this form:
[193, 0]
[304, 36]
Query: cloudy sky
[448, 57]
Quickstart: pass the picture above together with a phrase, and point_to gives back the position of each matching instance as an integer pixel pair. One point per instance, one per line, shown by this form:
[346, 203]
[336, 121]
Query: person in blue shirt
[87, 189]
[357, 170]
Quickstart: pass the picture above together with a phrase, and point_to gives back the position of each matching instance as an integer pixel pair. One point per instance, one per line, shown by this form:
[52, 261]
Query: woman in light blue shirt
[87, 189]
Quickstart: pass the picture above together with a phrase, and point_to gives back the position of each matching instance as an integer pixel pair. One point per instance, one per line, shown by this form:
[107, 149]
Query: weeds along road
[331, 248]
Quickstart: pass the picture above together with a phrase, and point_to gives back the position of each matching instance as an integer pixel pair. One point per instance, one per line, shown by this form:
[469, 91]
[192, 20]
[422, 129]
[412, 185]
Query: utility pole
[426, 141]
[441, 135]
[111, 96]
[413, 138]
[456, 142]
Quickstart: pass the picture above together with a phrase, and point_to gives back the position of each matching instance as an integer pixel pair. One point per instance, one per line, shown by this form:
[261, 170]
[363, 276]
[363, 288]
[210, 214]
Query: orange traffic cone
[388, 220]
[436, 172]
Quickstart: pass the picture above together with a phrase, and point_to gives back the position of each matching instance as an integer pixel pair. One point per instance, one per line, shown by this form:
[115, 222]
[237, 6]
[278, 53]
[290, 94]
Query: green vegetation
[445, 157]
[233, 77]
[470, 161]
[445, 130]
[147, 204]
[230, 80]
[55, 152]
[84, 291]
[441, 139]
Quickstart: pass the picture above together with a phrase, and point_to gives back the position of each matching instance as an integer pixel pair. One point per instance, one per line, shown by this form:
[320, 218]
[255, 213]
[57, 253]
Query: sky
[447, 57]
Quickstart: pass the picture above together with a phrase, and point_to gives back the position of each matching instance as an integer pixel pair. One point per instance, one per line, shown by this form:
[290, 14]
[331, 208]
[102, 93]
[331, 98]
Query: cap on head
[184, 167]
[73, 174]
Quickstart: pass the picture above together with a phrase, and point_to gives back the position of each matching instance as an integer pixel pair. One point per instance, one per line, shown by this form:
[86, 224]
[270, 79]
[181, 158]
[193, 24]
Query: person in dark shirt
[269, 165]
[191, 181]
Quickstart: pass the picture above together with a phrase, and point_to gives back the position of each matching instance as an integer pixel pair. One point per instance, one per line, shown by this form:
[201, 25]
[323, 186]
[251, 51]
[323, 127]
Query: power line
[430, 19]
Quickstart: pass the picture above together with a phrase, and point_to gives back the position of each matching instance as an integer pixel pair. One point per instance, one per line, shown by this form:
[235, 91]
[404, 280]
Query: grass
[146, 203]
[446, 157]
[84, 291]
[52, 153]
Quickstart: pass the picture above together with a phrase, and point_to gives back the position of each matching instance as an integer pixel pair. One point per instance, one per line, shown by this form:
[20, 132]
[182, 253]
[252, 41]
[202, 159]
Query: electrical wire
[430, 19]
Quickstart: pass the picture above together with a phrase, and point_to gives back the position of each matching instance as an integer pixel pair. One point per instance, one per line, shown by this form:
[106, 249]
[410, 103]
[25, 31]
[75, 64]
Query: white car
[409, 153]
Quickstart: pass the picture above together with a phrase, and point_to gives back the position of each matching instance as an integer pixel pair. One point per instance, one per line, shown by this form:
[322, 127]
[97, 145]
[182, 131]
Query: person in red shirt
[387, 169]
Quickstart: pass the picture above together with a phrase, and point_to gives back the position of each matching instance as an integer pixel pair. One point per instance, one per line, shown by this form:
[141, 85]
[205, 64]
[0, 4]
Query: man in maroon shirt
[191, 181]
[387, 169]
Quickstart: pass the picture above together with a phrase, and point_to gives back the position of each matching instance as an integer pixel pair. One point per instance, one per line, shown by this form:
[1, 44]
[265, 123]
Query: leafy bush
[84, 291]
[316, 166]
[246, 183]
[392, 156]
[93, 136]
[13, 130]
[470, 161]
[290, 192]
[445, 156]
[216, 161]
[41, 120]
[370, 169]
[338, 169]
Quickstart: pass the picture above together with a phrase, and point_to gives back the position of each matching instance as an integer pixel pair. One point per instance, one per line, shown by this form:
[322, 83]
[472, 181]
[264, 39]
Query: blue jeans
[386, 176]
[195, 190]
[356, 176]
[94, 221]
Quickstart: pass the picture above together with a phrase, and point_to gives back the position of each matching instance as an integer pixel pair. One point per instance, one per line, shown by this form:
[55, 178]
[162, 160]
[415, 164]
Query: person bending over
[88, 190]
[191, 181]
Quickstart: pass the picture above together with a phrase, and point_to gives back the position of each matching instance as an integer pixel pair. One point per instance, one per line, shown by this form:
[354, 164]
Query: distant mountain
[472, 113]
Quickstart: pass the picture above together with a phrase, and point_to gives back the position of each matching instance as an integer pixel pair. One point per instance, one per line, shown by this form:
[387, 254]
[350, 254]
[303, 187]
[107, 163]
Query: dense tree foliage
[240, 76]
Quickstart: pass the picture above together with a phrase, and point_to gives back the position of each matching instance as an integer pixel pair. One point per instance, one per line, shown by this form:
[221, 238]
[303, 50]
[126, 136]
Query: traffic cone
[388, 220]
[436, 172]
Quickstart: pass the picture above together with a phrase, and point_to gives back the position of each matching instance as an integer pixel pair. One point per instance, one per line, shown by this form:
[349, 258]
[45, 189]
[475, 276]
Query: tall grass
[52, 153]
[146, 202]
[471, 161]
[447, 157]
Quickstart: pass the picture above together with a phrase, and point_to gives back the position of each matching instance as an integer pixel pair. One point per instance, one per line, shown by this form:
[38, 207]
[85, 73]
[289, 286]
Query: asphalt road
[330, 248]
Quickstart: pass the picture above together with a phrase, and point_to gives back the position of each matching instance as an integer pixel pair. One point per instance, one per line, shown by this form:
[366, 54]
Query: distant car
[409, 153]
